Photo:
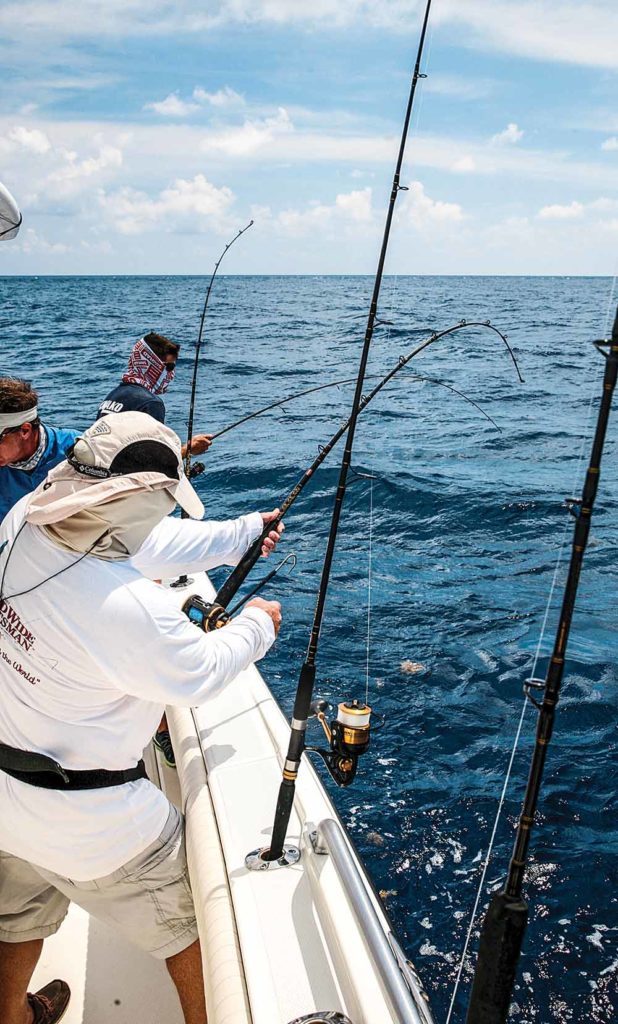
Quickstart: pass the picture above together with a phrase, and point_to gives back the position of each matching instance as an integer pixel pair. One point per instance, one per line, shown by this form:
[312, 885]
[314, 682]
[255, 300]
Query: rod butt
[501, 940]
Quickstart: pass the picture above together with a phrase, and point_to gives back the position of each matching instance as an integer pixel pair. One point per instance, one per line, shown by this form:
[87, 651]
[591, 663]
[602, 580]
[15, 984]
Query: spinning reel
[348, 737]
[197, 468]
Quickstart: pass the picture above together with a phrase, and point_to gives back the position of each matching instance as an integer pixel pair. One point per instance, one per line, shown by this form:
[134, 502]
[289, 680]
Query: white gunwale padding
[224, 982]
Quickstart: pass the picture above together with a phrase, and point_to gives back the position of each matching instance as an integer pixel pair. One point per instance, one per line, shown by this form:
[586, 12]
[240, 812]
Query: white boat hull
[283, 943]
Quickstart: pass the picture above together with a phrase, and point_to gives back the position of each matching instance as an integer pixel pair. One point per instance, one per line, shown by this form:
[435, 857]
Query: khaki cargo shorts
[148, 899]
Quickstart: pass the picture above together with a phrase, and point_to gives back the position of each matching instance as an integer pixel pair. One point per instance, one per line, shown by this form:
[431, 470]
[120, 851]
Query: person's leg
[17, 963]
[186, 972]
[149, 901]
[30, 910]
[163, 743]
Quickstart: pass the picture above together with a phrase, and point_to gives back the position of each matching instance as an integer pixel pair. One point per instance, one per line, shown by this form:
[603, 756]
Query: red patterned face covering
[147, 370]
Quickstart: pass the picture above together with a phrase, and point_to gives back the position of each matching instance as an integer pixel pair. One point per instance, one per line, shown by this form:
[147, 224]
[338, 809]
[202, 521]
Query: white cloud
[172, 106]
[55, 168]
[31, 139]
[165, 150]
[597, 208]
[571, 31]
[74, 83]
[225, 97]
[458, 87]
[574, 31]
[193, 205]
[463, 165]
[356, 205]
[610, 144]
[557, 212]
[75, 169]
[604, 205]
[422, 211]
[250, 137]
[32, 242]
[511, 135]
[350, 210]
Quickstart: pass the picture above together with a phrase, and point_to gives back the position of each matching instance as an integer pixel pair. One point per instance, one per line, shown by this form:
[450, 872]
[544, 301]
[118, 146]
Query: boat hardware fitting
[534, 684]
[257, 860]
[323, 1017]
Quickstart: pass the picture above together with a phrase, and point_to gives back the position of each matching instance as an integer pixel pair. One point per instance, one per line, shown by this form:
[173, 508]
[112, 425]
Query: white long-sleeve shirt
[88, 660]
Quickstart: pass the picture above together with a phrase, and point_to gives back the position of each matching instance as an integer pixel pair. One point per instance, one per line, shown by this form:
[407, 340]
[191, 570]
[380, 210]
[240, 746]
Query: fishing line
[248, 560]
[509, 769]
[417, 121]
[577, 478]
[352, 505]
[507, 779]
[196, 363]
[369, 566]
[343, 755]
[610, 304]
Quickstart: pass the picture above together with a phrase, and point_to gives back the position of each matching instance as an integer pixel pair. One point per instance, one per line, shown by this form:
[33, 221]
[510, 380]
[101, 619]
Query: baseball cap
[121, 453]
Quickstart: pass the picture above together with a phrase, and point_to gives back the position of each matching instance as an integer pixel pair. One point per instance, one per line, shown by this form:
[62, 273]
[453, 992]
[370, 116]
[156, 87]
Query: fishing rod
[214, 615]
[199, 466]
[336, 383]
[270, 576]
[282, 401]
[238, 575]
[507, 916]
[199, 346]
[275, 853]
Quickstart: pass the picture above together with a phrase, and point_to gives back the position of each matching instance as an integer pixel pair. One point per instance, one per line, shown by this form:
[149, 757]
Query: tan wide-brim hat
[122, 453]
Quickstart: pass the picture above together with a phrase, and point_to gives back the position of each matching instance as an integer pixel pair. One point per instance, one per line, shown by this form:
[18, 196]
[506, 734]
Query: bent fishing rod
[199, 346]
[238, 575]
[213, 615]
[334, 384]
[507, 916]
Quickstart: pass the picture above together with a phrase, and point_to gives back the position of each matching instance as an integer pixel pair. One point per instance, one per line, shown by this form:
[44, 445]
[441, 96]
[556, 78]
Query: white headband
[15, 419]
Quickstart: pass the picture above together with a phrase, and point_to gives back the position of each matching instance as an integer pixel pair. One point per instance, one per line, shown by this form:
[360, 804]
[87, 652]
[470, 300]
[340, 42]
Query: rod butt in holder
[258, 860]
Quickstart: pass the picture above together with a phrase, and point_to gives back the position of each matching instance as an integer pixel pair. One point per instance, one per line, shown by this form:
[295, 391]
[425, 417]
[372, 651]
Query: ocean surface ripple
[467, 528]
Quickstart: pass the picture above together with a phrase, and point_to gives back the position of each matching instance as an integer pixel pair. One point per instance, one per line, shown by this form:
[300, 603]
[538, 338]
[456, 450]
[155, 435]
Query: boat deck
[101, 967]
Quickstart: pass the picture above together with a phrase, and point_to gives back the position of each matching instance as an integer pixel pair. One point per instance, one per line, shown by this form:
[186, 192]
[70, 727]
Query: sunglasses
[9, 430]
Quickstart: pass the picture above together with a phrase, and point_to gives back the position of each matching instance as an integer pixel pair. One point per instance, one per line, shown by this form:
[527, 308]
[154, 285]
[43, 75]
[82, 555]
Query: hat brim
[188, 498]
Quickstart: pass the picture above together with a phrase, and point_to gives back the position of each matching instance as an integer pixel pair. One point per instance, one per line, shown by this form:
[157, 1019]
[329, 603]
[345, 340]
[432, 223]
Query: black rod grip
[500, 946]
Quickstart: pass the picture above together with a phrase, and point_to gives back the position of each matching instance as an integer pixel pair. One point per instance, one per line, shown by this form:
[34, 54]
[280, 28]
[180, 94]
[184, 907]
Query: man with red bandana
[151, 370]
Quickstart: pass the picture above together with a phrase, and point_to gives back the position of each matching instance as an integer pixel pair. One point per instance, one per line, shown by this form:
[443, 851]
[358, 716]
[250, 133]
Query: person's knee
[188, 959]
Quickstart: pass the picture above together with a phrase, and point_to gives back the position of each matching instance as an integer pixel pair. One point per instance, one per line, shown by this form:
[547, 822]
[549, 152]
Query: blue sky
[138, 136]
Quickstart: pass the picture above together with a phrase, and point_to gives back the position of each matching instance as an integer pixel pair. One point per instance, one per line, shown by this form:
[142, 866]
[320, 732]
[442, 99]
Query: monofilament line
[369, 560]
[507, 779]
[481, 885]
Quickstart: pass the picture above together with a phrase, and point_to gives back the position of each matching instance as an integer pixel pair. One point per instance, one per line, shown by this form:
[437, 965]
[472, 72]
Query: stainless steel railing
[402, 986]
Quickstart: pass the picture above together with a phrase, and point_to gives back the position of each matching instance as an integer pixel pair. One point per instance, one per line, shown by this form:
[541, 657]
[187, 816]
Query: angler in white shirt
[91, 650]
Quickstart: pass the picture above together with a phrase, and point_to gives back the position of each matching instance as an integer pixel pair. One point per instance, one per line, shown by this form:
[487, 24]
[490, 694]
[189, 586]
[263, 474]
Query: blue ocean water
[467, 526]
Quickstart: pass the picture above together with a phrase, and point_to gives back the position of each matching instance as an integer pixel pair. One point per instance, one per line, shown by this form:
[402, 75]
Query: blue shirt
[14, 483]
[133, 398]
